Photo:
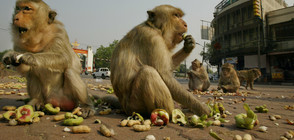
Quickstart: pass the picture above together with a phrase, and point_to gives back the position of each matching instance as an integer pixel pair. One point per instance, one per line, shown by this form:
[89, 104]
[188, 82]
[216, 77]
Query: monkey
[198, 77]
[43, 54]
[229, 81]
[249, 76]
[143, 61]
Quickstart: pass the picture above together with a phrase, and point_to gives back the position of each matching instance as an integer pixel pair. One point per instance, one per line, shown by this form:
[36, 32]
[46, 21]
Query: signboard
[231, 60]
[206, 32]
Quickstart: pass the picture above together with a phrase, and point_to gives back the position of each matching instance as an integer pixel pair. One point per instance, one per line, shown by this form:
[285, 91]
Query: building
[280, 43]
[245, 34]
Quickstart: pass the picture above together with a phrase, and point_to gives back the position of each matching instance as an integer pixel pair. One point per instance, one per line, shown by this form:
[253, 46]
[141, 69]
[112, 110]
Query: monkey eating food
[43, 54]
[143, 61]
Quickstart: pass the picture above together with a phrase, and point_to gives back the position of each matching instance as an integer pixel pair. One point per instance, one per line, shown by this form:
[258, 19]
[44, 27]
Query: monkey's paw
[189, 44]
[87, 111]
[37, 105]
[28, 59]
[10, 58]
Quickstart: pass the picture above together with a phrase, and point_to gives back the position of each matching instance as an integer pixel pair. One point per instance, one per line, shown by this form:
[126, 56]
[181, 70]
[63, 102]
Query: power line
[4, 29]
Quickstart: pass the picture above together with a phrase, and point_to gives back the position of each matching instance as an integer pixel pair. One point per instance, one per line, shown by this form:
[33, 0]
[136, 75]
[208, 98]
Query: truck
[101, 72]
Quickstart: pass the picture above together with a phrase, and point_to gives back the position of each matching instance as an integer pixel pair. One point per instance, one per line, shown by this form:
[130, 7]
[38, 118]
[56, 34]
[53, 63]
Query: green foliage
[103, 55]
[181, 68]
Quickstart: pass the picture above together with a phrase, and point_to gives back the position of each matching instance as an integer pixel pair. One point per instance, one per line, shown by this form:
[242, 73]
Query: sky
[100, 22]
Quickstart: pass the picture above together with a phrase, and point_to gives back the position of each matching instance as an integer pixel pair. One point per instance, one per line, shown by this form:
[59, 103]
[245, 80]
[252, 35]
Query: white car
[101, 72]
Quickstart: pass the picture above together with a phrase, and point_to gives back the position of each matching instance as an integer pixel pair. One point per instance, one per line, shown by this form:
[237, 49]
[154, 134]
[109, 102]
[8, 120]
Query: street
[276, 97]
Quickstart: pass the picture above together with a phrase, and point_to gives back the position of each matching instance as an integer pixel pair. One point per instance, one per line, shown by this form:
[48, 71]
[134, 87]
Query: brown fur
[198, 77]
[142, 64]
[249, 76]
[50, 65]
[229, 81]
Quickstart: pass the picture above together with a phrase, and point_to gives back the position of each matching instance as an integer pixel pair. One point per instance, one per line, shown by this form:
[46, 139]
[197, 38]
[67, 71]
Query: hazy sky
[99, 22]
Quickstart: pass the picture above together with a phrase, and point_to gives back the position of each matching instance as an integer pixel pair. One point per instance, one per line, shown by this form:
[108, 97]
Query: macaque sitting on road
[198, 77]
[43, 54]
[229, 81]
[143, 61]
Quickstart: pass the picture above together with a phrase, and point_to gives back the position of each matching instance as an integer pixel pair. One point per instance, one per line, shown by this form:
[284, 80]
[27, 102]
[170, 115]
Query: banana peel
[248, 120]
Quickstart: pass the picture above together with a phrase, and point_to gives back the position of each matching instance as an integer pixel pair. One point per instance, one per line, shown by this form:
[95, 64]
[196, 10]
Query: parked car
[213, 77]
[101, 72]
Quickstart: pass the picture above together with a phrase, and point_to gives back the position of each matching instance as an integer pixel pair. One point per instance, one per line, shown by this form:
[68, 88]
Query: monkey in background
[229, 81]
[249, 76]
[42, 52]
[198, 77]
[142, 64]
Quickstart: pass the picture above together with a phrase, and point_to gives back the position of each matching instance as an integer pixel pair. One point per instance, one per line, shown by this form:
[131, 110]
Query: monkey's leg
[206, 85]
[35, 91]
[247, 83]
[73, 84]
[251, 85]
[149, 92]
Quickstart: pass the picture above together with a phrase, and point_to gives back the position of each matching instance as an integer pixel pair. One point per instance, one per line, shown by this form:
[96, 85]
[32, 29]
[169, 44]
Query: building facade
[250, 33]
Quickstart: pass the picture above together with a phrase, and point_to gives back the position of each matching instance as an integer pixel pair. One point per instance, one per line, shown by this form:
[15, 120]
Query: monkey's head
[169, 20]
[29, 17]
[227, 69]
[256, 72]
[196, 64]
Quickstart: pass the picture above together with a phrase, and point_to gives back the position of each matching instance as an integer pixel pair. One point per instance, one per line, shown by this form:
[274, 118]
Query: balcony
[223, 4]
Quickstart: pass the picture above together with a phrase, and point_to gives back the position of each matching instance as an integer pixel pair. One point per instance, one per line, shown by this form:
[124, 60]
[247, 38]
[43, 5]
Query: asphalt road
[276, 97]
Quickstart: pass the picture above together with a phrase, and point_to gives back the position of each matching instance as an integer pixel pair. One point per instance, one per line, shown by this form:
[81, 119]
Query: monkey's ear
[52, 15]
[151, 15]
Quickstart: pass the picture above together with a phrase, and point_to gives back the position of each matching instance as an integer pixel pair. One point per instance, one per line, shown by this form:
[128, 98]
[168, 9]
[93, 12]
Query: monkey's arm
[182, 96]
[178, 92]
[56, 56]
[200, 74]
[182, 54]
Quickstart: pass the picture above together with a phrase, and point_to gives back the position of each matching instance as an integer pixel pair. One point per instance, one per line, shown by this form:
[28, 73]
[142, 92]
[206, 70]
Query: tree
[182, 68]
[103, 55]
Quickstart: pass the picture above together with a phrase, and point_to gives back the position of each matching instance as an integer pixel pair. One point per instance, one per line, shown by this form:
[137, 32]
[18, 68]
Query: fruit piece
[81, 129]
[8, 108]
[247, 137]
[141, 128]
[262, 129]
[76, 110]
[105, 131]
[97, 121]
[51, 110]
[261, 109]
[25, 114]
[248, 120]
[58, 117]
[68, 115]
[159, 117]
[41, 114]
[71, 122]
[137, 116]
[105, 111]
[147, 122]
[178, 116]
[9, 114]
[133, 122]
[12, 122]
[214, 135]
[184, 35]
[36, 119]
[124, 122]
